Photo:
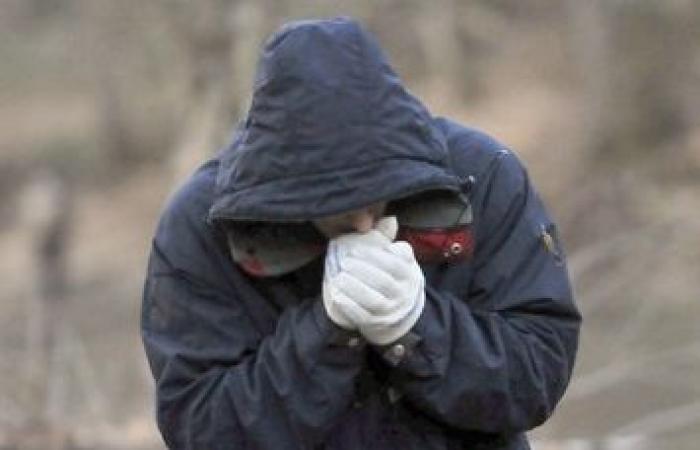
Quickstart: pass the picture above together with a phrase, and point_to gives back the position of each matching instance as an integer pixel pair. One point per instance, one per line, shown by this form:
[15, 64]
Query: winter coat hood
[330, 129]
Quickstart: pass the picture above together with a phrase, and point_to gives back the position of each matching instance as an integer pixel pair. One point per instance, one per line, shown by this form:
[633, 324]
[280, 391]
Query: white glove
[379, 287]
[383, 233]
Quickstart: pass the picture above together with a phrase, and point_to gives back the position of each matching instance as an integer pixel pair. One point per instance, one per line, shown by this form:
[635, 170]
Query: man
[352, 273]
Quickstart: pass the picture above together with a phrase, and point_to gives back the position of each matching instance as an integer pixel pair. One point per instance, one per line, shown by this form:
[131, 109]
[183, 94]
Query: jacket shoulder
[499, 179]
[191, 200]
[183, 236]
[471, 151]
[491, 163]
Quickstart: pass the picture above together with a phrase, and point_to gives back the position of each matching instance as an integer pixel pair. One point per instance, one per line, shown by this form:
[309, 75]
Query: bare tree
[590, 39]
[48, 213]
[220, 39]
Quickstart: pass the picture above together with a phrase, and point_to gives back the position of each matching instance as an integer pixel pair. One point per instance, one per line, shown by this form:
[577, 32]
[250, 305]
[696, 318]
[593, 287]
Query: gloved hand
[338, 249]
[374, 284]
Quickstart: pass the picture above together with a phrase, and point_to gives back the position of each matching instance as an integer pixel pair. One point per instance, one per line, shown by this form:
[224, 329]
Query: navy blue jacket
[244, 362]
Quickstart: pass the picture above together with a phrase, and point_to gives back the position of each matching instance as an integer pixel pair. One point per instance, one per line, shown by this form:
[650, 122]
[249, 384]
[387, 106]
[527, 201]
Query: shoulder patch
[550, 241]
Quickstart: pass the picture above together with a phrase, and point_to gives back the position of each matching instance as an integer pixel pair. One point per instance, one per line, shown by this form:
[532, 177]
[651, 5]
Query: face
[358, 220]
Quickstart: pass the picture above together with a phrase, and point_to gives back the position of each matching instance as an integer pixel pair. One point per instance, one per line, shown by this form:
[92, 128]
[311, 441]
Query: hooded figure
[259, 326]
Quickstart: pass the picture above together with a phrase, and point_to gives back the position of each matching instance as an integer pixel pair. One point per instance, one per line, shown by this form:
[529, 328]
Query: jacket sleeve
[498, 359]
[221, 383]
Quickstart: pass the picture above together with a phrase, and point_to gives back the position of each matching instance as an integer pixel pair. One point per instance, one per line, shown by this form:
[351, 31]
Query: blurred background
[105, 106]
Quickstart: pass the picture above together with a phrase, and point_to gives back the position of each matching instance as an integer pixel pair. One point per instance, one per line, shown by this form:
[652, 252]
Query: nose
[362, 221]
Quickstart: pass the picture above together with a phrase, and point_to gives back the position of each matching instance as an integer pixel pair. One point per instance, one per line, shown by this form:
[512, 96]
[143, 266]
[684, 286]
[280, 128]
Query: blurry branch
[634, 442]
[48, 214]
[101, 37]
[611, 270]
[605, 290]
[632, 60]
[594, 382]
[665, 421]
[591, 45]
[663, 377]
[635, 324]
[221, 39]
[482, 23]
[71, 355]
[53, 349]
[438, 29]
[592, 258]
[450, 35]
[12, 415]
